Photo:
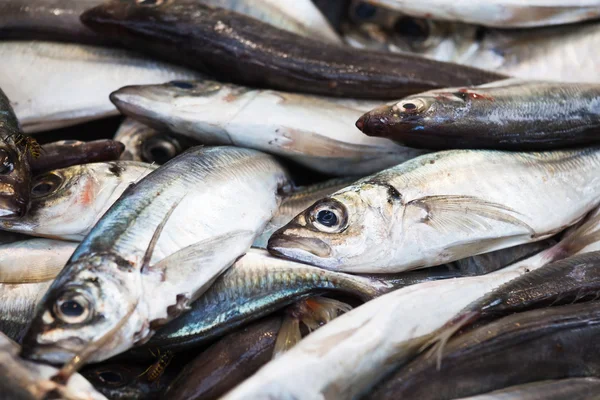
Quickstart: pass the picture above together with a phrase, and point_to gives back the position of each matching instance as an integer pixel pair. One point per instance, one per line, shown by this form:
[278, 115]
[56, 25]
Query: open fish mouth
[288, 246]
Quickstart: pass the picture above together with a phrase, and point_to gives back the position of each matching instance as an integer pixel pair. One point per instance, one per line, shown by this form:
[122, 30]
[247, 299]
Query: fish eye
[7, 164]
[72, 308]
[149, 2]
[159, 150]
[365, 11]
[412, 106]
[414, 29]
[329, 216]
[112, 378]
[182, 84]
[45, 184]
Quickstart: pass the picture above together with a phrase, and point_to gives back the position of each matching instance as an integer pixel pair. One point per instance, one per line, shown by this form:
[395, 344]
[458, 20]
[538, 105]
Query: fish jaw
[15, 186]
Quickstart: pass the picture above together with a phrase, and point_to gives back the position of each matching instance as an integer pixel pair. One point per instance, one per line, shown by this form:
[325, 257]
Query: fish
[18, 302]
[15, 171]
[552, 343]
[299, 17]
[155, 251]
[47, 20]
[441, 207]
[74, 85]
[571, 388]
[507, 115]
[26, 380]
[232, 47]
[67, 203]
[226, 114]
[143, 143]
[500, 13]
[65, 153]
[255, 286]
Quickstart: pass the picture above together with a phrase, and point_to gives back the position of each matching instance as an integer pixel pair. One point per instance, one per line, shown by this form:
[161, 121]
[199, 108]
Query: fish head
[341, 230]
[90, 307]
[15, 178]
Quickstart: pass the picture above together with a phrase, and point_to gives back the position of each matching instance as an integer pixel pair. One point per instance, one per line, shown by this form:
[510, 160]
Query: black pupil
[413, 29]
[6, 164]
[327, 218]
[182, 85]
[365, 11]
[160, 154]
[110, 377]
[409, 106]
[148, 2]
[41, 188]
[71, 308]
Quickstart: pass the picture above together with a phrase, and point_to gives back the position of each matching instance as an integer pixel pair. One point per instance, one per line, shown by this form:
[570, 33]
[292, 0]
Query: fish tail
[288, 336]
[576, 240]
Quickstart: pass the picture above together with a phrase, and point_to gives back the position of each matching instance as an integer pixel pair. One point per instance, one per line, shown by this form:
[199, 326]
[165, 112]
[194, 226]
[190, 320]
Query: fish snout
[287, 246]
[12, 207]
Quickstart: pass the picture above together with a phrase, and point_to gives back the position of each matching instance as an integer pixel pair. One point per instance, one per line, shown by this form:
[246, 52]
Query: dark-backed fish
[66, 153]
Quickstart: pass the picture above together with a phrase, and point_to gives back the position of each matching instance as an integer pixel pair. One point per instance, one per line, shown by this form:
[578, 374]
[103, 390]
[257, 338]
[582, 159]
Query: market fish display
[225, 114]
[153, 253]
[500, 13]
[505, 115]
[74, 84]
[67, 203]
[232, 47]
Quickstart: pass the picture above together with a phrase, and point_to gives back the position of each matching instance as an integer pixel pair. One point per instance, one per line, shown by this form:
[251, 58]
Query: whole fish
[26, 380]
[47, 20]
[231, 46]
[155, 251]
[507, 115]
[442, 207]
[297, 16]
[17, 306]
[571, 388]
[217, 113]
[143, 143]
[75, 82]
[500, 13]
[67, 203]
[65, 153]
[255, 286]
[553, 343]
[15, 173]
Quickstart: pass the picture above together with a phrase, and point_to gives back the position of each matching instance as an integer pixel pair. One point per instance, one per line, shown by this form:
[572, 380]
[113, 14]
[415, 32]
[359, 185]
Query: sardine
[255, 286]
[231, 46]
[155, 251]
[75, 82]
[217, 113]
[560, 389]
[442, 207]
[67, 203]
[553, 343]
[143, 143]
[65, 153]
[15, 172]
[17, 306]
[500, 13]
[507, 115]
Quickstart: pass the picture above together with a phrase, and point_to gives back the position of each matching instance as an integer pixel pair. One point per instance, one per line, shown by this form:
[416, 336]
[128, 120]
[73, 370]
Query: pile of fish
[296, 199]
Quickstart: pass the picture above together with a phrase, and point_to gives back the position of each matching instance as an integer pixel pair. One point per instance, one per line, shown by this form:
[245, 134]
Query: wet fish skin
[255, 286]
[18, 306]
[122, 302]
[507, 115]
[66, 203]
[65, 153]
[226, 114]
[76, 80]
[425, 200]
[143, 143]
[15, 172]
[231, 46]
[227, 362]
[552, 343]
[571, 388]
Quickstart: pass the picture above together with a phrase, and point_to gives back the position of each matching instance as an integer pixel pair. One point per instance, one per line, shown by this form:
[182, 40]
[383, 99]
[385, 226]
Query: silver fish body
[18, 302]
[442, 207]
[316, 132]
[75, 82]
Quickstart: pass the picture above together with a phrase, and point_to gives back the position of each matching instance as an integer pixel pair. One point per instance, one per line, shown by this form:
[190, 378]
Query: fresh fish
[33, 260]
[124, 381]
[217, 113]
[143, 143]
[66, 153]
[297, 16]
[75, 82]
[15, 173]
[560, 389]
[507, 115]
[442, 207]
[26, 380]
[553, 343]
[155, 251]
[17, 306]
[68, 202]
[255, 286]
[231, 46]
[500, 13]
[299, 200]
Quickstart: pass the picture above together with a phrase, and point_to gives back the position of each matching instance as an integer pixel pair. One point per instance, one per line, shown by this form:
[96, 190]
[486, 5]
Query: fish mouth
[286, 246]
[50, 353]
[12, 207]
